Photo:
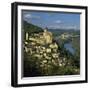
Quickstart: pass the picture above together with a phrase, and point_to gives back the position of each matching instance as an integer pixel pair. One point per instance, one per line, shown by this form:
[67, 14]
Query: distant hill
[30, 28]
[64, 30]
[61, 31]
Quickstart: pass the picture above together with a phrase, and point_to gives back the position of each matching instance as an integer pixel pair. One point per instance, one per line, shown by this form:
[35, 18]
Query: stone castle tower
[47, 36]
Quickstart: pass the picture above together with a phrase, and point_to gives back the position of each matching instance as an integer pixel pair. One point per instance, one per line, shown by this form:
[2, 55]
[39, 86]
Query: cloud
[54, 26]
[62, 26]
[72, 27]
[27, 16]
[58, 21]
[30, 16]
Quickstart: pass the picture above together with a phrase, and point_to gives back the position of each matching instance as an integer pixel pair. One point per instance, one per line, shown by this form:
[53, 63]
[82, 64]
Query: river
[69, 47]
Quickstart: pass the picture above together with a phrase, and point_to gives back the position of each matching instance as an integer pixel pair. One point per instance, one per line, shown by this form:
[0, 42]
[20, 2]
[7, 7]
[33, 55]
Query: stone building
[47, 36]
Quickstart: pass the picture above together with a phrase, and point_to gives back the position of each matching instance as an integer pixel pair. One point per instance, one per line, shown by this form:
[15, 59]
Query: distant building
[65, 35]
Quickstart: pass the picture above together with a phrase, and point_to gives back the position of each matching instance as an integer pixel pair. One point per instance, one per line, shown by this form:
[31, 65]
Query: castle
[41, 38]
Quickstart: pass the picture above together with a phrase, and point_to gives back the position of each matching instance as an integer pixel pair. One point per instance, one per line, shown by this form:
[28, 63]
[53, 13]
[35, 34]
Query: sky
[53, 20]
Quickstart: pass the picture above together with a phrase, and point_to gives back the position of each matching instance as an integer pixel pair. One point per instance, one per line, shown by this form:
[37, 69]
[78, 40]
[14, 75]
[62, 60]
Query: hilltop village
[44, 56]
[42, 47]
